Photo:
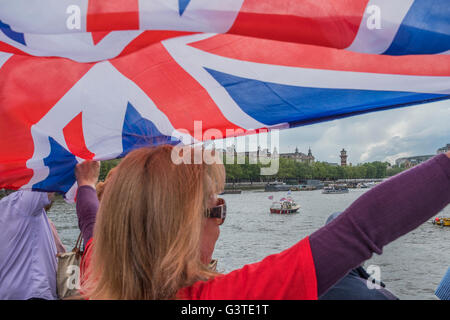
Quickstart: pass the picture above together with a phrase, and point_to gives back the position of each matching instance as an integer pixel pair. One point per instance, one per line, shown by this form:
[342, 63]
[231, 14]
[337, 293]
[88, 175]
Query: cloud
[379, 136]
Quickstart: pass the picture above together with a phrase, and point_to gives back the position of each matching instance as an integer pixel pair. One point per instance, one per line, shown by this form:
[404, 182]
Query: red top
[288, 275]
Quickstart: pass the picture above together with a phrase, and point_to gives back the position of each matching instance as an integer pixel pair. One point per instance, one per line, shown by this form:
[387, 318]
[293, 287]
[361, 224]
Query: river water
[411, 267]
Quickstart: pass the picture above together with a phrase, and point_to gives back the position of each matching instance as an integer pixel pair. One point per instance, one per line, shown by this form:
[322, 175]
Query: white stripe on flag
[37, 16]
[76, 46]
[194, 61]
[373, 40]
[4, 57]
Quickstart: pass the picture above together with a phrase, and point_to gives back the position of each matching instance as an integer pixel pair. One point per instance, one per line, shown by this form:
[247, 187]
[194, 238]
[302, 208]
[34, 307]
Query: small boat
[277, 186]
[335, 189]
[232, 192]
[362, 185]
[284, 206]
[440, 221]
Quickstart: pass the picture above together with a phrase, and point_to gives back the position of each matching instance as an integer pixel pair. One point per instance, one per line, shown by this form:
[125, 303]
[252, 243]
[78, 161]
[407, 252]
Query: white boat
[284, 206]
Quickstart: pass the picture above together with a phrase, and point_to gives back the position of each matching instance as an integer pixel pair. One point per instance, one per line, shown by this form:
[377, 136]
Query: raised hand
[87, 173]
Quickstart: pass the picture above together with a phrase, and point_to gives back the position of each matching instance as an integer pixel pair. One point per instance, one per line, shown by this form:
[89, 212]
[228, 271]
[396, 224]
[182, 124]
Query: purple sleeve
[87, 207]
[379, 216]
[33, 202]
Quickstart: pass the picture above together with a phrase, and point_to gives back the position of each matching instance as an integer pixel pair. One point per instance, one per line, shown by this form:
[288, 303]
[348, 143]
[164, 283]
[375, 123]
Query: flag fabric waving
[91, 79]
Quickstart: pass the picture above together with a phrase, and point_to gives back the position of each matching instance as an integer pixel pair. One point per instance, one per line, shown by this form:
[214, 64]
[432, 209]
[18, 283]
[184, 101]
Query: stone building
[299, 156]
[343, 158]
[409, 162]
[444, 149]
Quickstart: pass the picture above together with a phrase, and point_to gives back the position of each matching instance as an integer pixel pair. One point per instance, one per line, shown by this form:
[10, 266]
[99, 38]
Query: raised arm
[87, 202]
[378, 217]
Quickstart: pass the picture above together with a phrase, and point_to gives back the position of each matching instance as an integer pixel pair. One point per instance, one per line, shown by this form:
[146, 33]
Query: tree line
[289, 169]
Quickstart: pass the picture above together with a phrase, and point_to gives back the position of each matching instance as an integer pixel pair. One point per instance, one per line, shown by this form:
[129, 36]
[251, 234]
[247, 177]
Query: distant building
[409, 162]
[343, 158]
[444, 149]
[253, 156]
[299, 156]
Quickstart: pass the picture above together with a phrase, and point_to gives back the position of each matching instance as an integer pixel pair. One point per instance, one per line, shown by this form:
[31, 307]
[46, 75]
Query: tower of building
[310, 157]
[343, 157]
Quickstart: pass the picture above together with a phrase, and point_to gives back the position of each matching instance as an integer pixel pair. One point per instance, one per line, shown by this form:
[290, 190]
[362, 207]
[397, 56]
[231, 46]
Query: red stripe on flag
[176, 93]
[112, 15]
[307, 56]
[73, 134]
[29, 88]
[331, 23]
[98, 36]
[4, 47]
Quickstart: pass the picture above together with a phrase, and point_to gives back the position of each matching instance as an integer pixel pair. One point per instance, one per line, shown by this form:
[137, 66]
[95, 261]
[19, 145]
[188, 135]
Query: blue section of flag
[424, 30]
[16, 36]
[272, 103]
[443, 289]
[61, 164]
[182, 4]
[139, 132]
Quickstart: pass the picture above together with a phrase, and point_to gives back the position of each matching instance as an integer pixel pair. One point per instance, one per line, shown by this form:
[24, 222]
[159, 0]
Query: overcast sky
[379, 136]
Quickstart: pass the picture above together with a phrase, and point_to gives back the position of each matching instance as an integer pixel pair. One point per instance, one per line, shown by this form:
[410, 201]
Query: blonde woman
[154, 233]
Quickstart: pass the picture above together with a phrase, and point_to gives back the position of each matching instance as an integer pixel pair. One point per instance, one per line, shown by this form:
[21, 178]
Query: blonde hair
[147, 234]
[100, 186]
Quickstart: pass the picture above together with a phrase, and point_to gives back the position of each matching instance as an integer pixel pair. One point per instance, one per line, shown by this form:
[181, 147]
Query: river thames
[411, 267]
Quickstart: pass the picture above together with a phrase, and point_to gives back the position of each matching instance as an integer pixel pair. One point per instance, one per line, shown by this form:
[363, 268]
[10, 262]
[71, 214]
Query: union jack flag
[91, 79]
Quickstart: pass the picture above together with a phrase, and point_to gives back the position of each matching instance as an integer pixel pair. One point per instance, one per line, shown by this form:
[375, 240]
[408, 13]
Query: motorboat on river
[335, 189]
[277, 186]
[284, 206]
[441, 221]
[232, 191]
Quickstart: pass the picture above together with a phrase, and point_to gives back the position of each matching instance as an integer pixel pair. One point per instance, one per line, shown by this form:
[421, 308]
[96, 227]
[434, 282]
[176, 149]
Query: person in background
[443, 289]
[354, 285]
[153, 215]
[28, 260]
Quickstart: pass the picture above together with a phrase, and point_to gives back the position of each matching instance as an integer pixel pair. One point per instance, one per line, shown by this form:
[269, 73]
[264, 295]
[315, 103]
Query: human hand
[448, 154]
[87, 173]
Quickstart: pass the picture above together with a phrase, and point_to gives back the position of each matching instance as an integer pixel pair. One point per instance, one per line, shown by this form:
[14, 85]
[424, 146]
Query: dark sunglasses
[218, 212]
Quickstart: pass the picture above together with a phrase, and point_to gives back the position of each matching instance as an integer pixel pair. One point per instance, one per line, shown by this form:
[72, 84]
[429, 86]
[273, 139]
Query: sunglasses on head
[219, 211]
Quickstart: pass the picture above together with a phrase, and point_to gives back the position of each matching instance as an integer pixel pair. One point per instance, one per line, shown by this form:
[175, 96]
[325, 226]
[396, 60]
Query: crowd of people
[151, 227]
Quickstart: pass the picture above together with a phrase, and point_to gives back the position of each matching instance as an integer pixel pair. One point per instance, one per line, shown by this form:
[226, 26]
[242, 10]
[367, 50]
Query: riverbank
[317, 184]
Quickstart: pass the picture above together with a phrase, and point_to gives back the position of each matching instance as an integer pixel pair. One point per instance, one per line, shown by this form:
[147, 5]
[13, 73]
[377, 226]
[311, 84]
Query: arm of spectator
[59, 245]
[87, 202]
[379, 216]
